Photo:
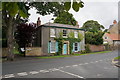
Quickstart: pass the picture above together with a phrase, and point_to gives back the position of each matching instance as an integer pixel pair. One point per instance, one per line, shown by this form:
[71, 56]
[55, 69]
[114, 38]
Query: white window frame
[75, 34]
[52, 32]
[52, 47]
[76, 46]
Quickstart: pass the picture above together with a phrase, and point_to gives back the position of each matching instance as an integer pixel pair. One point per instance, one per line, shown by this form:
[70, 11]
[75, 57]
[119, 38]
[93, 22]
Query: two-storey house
[48, 38]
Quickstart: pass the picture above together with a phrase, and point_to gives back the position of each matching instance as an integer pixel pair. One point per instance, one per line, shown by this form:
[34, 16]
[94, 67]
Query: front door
[65, 48]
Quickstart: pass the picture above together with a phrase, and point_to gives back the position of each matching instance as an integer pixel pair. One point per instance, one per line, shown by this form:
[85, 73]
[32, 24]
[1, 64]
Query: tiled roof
[113, 36]
[61, 25]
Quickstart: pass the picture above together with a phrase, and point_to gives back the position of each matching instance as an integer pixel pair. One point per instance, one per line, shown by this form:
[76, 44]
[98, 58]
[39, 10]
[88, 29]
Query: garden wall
[33, 51]
[4, 52]
[95, 48]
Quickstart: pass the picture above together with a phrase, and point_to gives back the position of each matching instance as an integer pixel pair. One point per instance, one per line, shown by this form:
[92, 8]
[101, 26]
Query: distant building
[113, 37]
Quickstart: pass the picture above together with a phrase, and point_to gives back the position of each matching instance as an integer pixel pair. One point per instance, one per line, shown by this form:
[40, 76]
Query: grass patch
[46, 57]
[116, 58]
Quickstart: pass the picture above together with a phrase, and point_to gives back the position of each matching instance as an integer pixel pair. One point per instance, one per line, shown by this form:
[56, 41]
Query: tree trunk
[10, 40]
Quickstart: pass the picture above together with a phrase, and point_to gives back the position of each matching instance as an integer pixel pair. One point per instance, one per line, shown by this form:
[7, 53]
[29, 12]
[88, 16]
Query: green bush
[87, 48]
[83, 51]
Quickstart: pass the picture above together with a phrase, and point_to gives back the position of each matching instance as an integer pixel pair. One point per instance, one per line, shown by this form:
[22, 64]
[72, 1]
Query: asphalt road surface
[84, 66]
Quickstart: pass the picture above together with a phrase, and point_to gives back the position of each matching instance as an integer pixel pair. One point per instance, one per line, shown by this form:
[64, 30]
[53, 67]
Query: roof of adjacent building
[113, 36]
[65, 26]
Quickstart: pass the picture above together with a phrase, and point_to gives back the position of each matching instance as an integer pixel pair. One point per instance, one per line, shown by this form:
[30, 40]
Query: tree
[93, 32]
[92, 26]
[94, 38]
[12, 11]
[24, 36]
[65, 18]
[56, 7]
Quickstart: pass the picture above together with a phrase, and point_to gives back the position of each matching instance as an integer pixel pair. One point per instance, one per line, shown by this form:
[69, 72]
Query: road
[84, 66]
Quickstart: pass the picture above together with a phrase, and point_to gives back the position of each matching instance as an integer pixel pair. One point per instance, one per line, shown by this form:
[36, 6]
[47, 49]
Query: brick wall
[33, 51]
[95, 48]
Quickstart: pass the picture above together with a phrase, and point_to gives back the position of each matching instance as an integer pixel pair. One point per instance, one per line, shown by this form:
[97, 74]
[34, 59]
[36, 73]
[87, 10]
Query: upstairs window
[76, 34]
[64, 33]
[52, 32]
[105, 37]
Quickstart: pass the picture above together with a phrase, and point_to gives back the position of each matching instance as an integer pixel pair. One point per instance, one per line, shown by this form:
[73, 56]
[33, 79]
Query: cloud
[102, 11]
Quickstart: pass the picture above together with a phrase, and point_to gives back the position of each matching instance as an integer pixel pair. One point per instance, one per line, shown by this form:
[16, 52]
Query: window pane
[53, 49]
[64, 32]
[52, 32]
[76, 34]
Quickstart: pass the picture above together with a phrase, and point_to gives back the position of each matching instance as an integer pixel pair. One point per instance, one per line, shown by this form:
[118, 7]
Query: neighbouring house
[53, 38]
[113, 37]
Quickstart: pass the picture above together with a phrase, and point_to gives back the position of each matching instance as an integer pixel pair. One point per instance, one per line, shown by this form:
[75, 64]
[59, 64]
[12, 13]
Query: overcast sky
[102, 11]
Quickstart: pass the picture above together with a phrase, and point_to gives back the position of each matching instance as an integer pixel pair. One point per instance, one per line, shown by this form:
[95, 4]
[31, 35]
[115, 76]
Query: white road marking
[67, 66]
[61, 67]
[71, 74]
[80, 64]
[99, 75]
[85, 63]
[100, 60]
[34, 72]
[54, 69]
[74, 65]
[44, 71]
[9, 76]
[96, 61]
[22, 74]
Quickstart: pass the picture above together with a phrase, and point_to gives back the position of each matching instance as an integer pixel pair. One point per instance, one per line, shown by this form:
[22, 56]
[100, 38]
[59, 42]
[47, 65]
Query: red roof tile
[113, 36]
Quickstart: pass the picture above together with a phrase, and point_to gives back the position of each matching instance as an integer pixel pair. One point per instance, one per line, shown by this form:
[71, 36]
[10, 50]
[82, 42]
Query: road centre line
[44, 71]
[33, 72]
[74, 65]
[67, 66]
[9, 76]
[71, 74]
[22, 74]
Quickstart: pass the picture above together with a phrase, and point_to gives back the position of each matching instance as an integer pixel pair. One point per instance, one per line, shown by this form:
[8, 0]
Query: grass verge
[46, 57]
[116, 58]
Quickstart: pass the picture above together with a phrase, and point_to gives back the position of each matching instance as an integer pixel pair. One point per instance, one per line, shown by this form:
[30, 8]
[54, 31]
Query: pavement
[83, 67]
[116, 62]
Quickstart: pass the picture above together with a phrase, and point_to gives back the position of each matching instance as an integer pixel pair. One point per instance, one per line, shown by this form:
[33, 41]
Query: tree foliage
[25, 34]
[94, 38]
[92, 26]
[12, 13]
[65, 18]
[56, 7]
[93, 32]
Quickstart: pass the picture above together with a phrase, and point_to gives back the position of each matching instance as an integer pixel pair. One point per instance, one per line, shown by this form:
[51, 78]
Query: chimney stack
[77, 24]
[38, 22]
[114, 22]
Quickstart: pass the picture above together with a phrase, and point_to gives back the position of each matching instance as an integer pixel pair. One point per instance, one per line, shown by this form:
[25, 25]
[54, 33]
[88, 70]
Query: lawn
[45, 57]
[116, 58]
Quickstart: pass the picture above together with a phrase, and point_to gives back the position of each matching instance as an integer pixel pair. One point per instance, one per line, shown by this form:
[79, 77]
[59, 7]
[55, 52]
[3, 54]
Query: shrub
[87, 48]
[83, 51]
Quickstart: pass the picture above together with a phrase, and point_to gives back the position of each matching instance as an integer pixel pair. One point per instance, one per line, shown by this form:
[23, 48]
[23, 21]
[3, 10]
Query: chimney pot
[114, 22]
[38, 21]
